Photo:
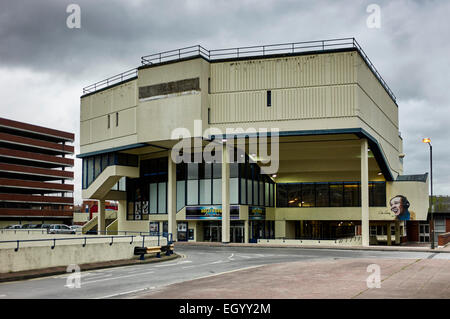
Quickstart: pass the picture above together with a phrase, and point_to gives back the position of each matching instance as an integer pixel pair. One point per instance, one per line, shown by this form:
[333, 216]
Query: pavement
[411, 247]
[342, 279]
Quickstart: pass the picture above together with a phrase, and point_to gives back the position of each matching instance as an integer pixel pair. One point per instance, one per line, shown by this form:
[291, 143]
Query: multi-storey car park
[339, 146]
[35, 174]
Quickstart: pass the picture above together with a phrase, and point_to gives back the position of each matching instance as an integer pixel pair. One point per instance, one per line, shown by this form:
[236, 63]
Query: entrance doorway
[212, 231]
[424, 233]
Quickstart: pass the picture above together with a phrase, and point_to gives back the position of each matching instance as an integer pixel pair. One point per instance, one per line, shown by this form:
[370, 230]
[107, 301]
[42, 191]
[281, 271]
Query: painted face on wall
[397, 206]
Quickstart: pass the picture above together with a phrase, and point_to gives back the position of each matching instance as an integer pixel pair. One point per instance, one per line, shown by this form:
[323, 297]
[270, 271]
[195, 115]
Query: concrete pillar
[172, 198]
[389, 234]
[397, 232]
[121, 216]
[246, 231]
[280, 229]
[364, 193]
[225, 195]
[101, 219]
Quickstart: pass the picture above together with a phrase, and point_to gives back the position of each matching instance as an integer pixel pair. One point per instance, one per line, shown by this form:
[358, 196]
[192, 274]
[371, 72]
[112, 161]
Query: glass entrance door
[237, 234]
[424, 233]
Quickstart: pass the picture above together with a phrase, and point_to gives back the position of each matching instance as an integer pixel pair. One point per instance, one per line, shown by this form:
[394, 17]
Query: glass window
[294, 192]
[336, 194]
[308, 194]
[322, 195]
[162, 198]
[261, 193]
[249, 192]
[181, 171]
[90, 169]
[85, 171]
[153, 198]
[205, 192]
[192, 170]
[192, 192]
[266, 194]
[217, 170]
[282, 191]
[272, 194]
[234, 191]
[180, 194]
[243, 192]
[217, 191]
[234, 170]
[378, 194]
[255, 192]
[351, 195]
[98, 163]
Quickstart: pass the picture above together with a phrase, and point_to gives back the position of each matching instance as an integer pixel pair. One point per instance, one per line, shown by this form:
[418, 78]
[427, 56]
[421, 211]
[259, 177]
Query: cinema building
[330, 121]
[36, 173]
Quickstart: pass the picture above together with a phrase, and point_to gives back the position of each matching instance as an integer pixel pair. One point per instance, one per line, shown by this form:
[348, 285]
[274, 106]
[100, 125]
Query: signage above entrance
[256, 213]
[210, 212]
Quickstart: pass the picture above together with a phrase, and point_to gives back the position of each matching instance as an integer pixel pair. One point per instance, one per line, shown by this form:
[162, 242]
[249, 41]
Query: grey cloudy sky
[44, 65]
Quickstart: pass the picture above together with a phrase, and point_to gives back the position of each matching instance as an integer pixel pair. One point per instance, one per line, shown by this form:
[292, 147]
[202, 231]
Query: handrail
[85, 238]
[240, 52]
[118, 78]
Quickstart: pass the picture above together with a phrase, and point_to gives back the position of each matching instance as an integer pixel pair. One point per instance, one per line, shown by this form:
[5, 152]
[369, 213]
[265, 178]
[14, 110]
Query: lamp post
[428, 141]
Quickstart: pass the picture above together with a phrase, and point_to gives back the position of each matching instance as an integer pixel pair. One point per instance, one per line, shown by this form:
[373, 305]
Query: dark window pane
[378, 194]
[322, 195]
[234, 167]
[281, 195]
[192, 170]
[308, 195]
[294, 192]
[217, 170]
[351, 195]
[181, 172]
[336, 194]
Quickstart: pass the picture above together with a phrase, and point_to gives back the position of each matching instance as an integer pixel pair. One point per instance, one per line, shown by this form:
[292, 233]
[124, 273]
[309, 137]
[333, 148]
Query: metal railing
[242, 52]
[85, 239]
[118, 78]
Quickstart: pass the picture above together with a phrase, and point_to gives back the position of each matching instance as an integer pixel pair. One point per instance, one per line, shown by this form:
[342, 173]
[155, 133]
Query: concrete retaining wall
[37, 255]
[355, 241]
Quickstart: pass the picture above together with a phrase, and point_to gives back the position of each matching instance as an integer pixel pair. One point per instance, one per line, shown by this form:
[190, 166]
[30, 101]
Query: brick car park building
[35, 174]
[340, 150]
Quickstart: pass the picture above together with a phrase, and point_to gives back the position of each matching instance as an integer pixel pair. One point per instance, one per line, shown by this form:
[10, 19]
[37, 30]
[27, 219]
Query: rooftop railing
[242, 52]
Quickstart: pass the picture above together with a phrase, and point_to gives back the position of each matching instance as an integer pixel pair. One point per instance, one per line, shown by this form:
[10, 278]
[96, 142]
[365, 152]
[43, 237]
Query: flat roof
[239, 53]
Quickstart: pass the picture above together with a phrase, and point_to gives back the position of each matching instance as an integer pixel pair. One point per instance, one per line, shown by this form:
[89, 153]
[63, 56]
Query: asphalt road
[197, 262]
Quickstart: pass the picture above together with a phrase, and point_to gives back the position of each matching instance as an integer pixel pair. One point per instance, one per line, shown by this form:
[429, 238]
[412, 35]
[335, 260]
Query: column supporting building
[172, 198]
[101, 218]
[246, 231]
[364, 193]
[225, 195]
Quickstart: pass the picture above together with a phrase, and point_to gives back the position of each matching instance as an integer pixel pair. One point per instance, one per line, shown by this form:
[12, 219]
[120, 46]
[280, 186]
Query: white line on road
[113, 278]
[174, 264]
[126, 293]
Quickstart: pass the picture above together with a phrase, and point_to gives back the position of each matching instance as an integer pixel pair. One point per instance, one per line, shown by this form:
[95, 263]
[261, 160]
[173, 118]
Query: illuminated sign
[256, 213]
[210, 212]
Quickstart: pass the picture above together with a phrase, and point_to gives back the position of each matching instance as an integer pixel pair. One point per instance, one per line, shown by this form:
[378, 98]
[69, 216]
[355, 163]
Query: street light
[428, 141]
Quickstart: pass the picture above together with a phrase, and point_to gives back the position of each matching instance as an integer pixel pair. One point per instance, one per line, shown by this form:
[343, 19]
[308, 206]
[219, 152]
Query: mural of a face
[397, 206]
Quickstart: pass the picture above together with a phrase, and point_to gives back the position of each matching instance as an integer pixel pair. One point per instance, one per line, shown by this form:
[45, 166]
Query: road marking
[231, 257]
[1, 296]
[126, 293]
[174, 264]
[113, 278]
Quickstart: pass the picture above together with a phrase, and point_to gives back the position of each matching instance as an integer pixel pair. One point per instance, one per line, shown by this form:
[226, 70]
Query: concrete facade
[337, 122]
